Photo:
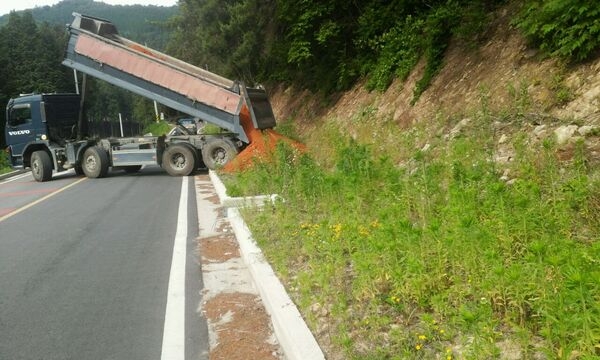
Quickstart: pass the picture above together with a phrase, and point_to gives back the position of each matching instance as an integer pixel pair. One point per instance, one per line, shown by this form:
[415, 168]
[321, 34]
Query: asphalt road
[85, 267]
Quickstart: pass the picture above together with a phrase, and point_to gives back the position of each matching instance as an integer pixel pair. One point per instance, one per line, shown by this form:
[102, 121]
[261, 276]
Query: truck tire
[179, 160]
[95, 162]
[41, 166]
[218, 152]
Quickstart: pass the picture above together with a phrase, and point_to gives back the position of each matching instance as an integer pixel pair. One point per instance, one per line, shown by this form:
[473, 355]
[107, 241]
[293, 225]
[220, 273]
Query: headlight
[44, 137]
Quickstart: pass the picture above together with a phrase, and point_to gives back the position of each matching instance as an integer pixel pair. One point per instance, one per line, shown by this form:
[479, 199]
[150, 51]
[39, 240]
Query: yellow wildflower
[418, 347]
[363, 231]
[337, 230]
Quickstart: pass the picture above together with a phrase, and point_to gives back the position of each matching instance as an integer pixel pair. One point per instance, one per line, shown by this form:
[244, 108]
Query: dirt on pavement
[239, 326]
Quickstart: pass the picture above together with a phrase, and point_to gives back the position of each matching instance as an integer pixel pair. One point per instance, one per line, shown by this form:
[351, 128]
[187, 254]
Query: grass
[427, 254]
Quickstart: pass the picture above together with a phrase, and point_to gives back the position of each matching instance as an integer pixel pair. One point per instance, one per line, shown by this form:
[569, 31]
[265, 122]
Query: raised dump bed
[96, 48]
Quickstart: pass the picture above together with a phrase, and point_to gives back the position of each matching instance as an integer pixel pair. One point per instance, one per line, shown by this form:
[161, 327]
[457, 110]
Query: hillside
[506, 77]
[463, 225]
[142, 23]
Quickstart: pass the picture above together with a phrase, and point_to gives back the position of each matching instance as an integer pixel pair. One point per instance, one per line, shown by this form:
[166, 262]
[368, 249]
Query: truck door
[19, 131]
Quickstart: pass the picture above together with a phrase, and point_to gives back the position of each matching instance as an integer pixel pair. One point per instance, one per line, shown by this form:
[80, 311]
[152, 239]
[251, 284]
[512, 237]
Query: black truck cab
[36, 121]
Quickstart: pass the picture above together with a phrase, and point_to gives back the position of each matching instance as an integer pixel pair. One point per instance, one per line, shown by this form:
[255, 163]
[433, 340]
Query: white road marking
[173, 345]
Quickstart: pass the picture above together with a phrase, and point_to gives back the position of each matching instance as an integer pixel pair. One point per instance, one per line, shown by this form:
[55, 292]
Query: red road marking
[28, 192]
[4, 211]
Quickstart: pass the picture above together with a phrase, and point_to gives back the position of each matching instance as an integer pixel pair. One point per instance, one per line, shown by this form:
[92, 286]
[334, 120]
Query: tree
[226, 37]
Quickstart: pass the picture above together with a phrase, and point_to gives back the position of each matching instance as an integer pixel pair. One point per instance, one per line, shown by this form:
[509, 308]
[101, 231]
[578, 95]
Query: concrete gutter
[294, 336]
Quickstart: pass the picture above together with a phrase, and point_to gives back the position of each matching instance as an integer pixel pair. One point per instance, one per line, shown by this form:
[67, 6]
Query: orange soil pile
[262, 143]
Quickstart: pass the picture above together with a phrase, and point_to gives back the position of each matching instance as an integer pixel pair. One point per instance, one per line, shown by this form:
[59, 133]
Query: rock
[539, 131]
[587, 130]
[315, 308]
[592, 94]
[458, 128]
[503, 159]
[503, 139]
[565, 133]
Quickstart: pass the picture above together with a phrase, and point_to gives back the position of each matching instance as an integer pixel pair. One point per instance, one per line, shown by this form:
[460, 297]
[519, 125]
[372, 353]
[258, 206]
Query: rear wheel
[95, 162]
[179, 160]
[41, 166]
[218, 152]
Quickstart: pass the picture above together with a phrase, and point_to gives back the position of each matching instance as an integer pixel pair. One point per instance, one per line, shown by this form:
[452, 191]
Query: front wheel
[218, 152]
[95, 162]
[179, 160]
[41, 166]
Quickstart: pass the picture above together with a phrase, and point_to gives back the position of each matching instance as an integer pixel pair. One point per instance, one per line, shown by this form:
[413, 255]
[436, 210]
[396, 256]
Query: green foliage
[400, 49]
[569, 29]
[157, 128]
[4, 164]
[327, 45]
[439, 25]
[229, 37]
[439, 254]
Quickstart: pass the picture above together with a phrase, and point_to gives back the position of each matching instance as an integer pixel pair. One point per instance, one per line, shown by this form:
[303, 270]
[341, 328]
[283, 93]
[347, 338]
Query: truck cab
[37, 122]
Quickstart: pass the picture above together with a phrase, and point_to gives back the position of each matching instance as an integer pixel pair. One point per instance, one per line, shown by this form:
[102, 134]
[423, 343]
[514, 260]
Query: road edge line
[173, 342]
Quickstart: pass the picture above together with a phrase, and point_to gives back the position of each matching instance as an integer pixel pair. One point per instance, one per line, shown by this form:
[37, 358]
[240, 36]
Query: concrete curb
[12, 173]
[237, 202]
[294, 336]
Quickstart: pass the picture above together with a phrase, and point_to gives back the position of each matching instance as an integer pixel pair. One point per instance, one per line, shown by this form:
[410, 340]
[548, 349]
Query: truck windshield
[19, 115]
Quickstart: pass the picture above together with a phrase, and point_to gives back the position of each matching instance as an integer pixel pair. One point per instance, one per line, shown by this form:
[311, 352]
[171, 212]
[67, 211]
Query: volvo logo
[19, 132]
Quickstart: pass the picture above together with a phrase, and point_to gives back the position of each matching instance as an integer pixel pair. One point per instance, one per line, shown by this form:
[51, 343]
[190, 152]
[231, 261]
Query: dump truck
[46, 132]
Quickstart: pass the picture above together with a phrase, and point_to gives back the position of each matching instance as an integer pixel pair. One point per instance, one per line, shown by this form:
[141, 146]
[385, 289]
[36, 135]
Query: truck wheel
[218, 152]
[41, 166]
[179, 160]
[95, 162]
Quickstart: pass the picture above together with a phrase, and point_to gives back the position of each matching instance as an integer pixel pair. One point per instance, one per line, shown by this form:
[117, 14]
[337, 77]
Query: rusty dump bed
[95, 48]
